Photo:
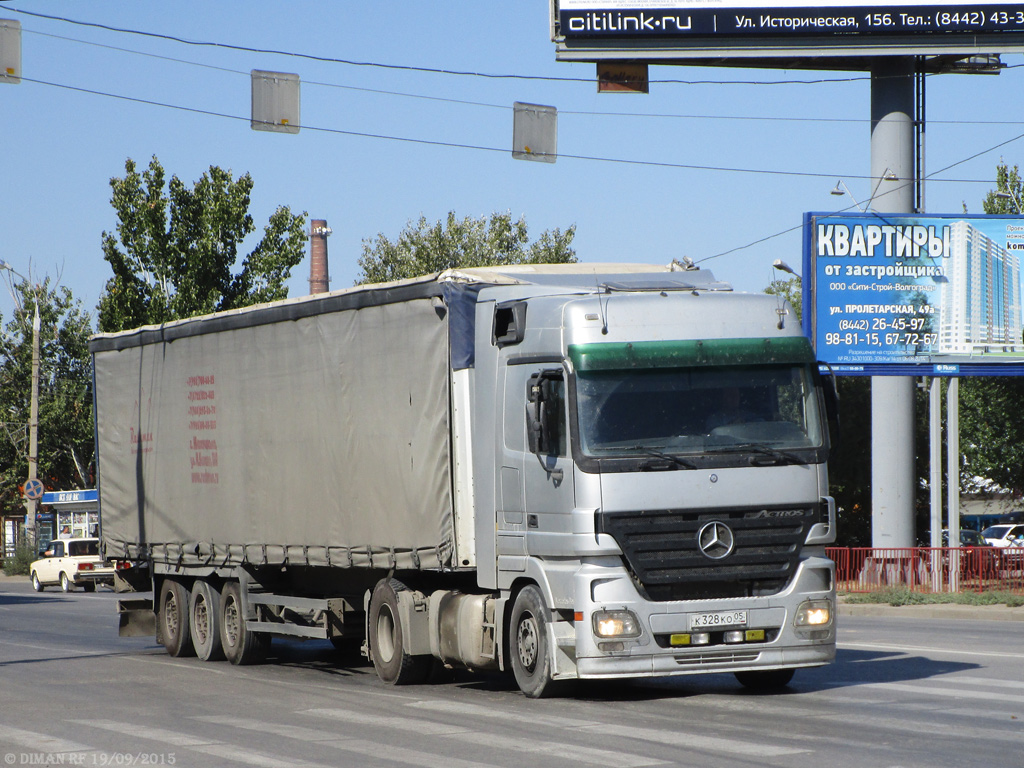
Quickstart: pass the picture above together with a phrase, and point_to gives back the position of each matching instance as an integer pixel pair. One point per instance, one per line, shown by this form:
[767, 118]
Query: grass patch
[905, 596]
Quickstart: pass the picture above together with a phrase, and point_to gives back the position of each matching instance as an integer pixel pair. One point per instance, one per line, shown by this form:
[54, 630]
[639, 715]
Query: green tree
[1007, 194]
[65, 431]
[176, 247]
[423, 248]
[991, 417]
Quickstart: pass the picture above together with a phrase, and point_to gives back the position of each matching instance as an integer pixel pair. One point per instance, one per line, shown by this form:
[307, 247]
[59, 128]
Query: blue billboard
[918, 295]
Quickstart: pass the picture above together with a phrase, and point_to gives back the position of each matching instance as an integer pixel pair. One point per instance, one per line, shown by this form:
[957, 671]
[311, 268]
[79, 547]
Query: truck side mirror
[543, 412]
[830, 389]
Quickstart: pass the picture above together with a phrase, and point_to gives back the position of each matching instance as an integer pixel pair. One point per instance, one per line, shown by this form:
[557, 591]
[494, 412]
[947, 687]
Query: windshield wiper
[649, 465]
[766, 455]
[773, 455]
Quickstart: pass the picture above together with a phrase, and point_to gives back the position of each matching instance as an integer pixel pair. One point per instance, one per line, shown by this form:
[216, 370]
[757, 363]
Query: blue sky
[779, 144]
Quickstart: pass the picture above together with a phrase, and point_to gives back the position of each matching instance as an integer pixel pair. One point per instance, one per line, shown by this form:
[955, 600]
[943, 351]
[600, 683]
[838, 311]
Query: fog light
[813, 613]
[700, 638]
[616, 624]
[733, 636]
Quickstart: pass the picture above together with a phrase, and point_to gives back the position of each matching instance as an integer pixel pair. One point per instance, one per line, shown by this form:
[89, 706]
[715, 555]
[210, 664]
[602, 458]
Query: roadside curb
[934, 611]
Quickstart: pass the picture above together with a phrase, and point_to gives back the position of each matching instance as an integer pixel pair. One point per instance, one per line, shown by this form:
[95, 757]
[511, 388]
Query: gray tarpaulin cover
[322, 437]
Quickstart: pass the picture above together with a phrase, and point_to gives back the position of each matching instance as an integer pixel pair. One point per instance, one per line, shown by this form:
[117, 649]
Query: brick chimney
[319, 276]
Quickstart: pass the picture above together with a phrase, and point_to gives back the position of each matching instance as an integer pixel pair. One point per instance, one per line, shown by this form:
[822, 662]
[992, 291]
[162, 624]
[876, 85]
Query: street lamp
[1008, 195]
[782, 266]
[841, 189]
[31, 504]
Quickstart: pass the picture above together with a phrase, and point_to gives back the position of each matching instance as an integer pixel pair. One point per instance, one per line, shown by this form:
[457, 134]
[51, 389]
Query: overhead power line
[408, 67]
[483, 148]
[506, 107]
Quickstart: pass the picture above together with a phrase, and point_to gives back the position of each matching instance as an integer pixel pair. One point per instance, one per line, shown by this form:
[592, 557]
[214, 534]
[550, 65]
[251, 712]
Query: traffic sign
[34, 489]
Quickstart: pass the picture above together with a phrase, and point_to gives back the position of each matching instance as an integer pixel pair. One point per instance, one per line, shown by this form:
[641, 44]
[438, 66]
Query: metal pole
[935, 478]
[892, 397]
[953, 478]
[31, 505]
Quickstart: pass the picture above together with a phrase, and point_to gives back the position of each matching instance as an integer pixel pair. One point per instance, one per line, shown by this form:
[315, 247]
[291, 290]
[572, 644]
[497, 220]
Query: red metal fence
[923, 569]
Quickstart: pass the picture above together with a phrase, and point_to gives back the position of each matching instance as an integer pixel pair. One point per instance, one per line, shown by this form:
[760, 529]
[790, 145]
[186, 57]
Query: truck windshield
[766, 412]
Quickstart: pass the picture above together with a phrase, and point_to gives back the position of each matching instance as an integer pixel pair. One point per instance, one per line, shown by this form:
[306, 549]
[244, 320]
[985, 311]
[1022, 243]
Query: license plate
[718, 620]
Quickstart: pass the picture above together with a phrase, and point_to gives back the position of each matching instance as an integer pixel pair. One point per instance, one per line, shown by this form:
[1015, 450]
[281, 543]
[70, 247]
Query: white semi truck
[573, 471]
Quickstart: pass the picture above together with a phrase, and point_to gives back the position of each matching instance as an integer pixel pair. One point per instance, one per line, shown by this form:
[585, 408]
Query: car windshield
[760, 409]
[995, 532]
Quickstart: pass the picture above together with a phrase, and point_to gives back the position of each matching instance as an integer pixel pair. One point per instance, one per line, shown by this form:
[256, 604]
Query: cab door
[536, 473]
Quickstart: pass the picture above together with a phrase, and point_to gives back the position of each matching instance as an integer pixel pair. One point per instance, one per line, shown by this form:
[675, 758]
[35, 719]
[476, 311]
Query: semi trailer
[563, 471]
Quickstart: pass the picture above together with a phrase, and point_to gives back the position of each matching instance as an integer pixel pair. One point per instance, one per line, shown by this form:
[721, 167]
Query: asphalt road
[904, 692]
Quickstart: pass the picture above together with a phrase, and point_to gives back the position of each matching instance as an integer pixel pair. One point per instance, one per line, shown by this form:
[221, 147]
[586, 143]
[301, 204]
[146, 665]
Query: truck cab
[660, 498]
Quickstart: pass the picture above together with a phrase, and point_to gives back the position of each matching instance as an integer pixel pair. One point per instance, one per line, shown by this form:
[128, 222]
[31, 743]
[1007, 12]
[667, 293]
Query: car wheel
[37, 585]
[89, 586]
[65, 582]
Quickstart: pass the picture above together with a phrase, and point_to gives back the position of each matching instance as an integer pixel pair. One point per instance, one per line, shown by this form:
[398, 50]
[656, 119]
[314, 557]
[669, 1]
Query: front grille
[661, 550]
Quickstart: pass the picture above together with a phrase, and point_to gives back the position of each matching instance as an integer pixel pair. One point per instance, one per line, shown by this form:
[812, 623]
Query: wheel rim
[231, 621]
[385, 634]
[528, 641]
[171, 615]
[201, 620]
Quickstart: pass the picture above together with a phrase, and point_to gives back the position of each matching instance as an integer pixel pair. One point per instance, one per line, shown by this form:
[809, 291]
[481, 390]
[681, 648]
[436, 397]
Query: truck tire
[173, 619]
[37, 585]
[765, 680]
[528, 644]
[204, 621]
[385, 634]
[240, 645]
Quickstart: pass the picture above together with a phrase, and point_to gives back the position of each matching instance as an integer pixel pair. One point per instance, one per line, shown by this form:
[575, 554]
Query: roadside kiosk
[69, 514]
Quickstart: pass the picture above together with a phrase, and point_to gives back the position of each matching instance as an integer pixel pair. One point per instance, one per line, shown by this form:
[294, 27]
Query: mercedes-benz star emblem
[716, 540]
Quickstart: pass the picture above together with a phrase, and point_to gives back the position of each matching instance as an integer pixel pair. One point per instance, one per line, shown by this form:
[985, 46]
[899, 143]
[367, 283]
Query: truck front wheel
[240, 645]
[528, 644]
[173, 618]
[387, 645]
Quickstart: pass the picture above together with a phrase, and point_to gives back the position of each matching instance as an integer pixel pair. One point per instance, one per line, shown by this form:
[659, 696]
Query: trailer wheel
[204, 621]
[394, 666]
[528, 644]
[241, 646]
[765, 680]
[173, 619]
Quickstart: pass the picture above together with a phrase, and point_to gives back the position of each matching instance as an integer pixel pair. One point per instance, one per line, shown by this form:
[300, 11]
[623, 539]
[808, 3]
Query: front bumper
[653, 653]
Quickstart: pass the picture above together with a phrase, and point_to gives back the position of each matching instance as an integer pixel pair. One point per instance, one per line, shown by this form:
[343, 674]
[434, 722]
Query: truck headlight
[813, 613]
[616, 624]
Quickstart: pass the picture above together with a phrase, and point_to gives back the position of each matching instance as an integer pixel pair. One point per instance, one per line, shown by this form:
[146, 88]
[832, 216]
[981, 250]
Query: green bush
[18, 565]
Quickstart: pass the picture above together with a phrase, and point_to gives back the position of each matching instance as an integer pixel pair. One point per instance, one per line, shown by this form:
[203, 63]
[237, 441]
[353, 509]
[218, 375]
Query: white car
[70, 563]
[1003, 535]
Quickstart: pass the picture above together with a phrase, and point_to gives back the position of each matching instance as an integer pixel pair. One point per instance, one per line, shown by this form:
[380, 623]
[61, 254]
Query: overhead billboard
[915, 295]
[653, 29]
